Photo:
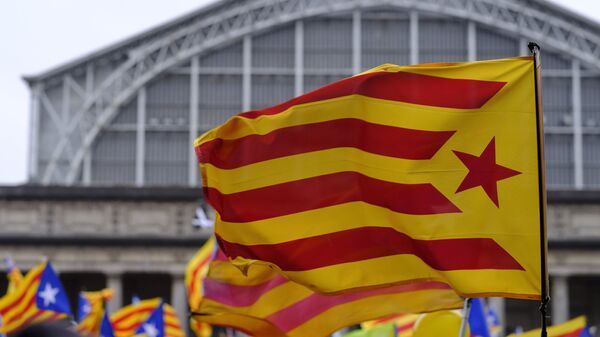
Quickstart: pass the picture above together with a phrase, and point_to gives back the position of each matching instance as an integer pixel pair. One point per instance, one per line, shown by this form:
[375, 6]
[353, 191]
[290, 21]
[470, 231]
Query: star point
[150, 330]
[48, 294]
[484, 171]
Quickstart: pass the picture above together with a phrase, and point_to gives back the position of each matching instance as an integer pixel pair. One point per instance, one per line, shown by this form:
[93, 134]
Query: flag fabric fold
[265, 304]
[39, 297]
[90, 311]
[195, 273]
[128, 319]
[433, 168]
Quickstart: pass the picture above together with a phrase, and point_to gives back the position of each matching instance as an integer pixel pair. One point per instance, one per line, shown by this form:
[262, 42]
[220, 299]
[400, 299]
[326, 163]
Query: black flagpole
[535, 51]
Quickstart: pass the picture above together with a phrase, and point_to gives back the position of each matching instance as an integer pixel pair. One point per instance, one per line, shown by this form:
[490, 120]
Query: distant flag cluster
[38, 297]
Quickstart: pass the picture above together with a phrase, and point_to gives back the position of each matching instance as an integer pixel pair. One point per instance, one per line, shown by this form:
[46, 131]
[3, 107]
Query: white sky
[36, 35]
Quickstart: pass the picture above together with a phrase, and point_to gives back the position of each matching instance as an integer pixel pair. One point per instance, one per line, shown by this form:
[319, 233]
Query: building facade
[126, 116]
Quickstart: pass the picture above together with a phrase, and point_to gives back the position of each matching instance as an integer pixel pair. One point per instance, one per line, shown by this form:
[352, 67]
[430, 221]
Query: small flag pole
[465, 318]
[534, 48]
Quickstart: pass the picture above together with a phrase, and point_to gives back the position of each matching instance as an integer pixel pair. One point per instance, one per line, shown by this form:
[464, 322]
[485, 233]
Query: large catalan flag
[195, 272]
[573, 328]
[39, 297]
[90, 311]
[130, 318]
[264, 303]
[393, 176]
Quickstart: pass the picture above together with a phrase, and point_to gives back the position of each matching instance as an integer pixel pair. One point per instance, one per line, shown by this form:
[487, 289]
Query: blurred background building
[114, 182]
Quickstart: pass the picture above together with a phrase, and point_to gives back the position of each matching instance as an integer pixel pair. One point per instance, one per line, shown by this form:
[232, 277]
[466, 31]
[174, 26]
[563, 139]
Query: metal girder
[145, 62]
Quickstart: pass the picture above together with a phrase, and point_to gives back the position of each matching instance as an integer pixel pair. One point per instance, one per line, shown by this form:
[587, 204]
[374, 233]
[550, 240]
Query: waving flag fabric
[154, 326]
[128, 319]
[264, 303]
[404, 323]
[195, 273]
[573, 328]
[106, 329]
[39, 297]
[13, 274]
[90, 311]
[433, 168]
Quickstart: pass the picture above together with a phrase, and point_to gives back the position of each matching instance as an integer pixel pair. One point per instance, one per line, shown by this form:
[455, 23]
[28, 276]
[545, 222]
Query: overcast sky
[36, 35]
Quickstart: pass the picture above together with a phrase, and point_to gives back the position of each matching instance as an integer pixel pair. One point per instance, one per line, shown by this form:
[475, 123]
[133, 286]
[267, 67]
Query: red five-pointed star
[484, 172]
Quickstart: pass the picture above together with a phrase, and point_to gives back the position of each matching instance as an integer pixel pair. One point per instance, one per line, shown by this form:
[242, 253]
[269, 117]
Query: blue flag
[50, 294]
[585, 332]
[154, 326]
[106, 329]
[477, 319]
[84, 307]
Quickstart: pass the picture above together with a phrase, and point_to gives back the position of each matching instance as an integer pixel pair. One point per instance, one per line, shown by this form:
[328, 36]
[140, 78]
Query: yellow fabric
[442, 323]
[15, 277]
[558, 330]
[509, 118]
[90, 324]
[195, 272]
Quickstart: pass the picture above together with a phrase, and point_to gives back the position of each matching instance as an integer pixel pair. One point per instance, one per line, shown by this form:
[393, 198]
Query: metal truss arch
[149, 60]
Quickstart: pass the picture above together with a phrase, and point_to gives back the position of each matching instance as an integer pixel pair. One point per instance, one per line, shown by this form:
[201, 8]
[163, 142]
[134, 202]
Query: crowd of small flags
[40, 296]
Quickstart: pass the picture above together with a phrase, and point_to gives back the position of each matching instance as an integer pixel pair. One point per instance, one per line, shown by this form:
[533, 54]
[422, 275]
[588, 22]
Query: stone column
[179, 298]
[115, 283]
[560, 299]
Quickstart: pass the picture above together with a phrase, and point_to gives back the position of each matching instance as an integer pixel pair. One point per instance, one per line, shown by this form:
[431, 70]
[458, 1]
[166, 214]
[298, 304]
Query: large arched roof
[148, 55]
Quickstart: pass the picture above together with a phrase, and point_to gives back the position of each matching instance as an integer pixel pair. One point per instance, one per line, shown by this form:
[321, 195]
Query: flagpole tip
[533, 47]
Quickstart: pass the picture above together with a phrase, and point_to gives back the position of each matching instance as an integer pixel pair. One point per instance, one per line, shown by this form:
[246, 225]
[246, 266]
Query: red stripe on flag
[401, 87]
[195, 272]
[574, 333]
[348, 132]
[373, 242]
[239, 295]
[17, 301]
[302, 311]
[19, 315]
[328, 190]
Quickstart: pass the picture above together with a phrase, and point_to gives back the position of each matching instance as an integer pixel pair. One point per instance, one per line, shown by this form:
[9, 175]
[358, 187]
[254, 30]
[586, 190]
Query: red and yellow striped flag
[393, 176]
[90, 324]
[195, 273]
[403, 323]
[14, 275]
[128, 319]
[19, 309]
[264, 303]
[572, 328]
